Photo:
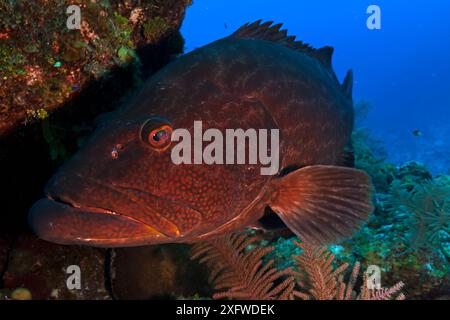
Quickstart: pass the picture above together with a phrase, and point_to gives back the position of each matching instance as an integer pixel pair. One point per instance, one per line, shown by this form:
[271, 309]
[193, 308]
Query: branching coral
[370, 156]
[238, 271]
[362, 109]
[429, 207]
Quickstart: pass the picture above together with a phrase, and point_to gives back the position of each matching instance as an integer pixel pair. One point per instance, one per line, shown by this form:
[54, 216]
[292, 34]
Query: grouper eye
[156, 132]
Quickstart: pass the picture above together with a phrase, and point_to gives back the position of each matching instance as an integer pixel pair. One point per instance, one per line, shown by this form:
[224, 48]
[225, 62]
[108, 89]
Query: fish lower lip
[64, 223]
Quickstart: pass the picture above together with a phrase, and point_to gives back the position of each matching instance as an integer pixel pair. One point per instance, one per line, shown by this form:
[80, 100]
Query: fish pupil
[160, 135]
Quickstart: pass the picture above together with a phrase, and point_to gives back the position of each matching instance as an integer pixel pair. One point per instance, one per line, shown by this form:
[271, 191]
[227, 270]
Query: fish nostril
[114, 154]
[115, 151]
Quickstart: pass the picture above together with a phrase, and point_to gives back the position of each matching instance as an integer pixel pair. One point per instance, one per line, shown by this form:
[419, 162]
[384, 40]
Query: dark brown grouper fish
[122, 188]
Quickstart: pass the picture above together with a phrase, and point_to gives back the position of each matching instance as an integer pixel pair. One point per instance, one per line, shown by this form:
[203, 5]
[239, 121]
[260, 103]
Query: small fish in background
[417, 133]
[225, 26]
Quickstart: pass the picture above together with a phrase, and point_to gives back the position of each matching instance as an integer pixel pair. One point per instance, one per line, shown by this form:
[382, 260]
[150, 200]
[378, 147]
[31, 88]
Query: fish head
[122, 188]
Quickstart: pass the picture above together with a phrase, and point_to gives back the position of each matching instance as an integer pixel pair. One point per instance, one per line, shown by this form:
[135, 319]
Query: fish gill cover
[55, 81]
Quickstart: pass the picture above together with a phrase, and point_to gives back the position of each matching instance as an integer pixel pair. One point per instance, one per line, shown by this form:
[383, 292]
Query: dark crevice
[9, 248]
[108, 273]
[288, 169]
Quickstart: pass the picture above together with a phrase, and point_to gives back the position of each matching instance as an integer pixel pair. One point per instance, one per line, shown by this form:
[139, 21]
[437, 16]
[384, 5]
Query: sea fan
[316, 270]
[238, 272]
[381, 294]
[324, 282]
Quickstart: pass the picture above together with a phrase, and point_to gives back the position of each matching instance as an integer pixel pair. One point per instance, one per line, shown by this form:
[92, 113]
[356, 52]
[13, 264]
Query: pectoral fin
[321, 204]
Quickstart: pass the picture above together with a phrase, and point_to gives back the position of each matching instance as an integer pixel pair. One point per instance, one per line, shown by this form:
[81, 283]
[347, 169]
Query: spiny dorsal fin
[325, 56]
[347, 85]
[271, 32]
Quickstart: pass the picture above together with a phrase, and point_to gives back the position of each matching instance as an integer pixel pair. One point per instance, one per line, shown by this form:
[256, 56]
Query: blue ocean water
[402, 69]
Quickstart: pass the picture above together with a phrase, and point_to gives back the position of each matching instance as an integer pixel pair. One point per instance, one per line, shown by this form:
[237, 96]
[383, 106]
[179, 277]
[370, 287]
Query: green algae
[126, 54]
[11, 61]
[155, 27]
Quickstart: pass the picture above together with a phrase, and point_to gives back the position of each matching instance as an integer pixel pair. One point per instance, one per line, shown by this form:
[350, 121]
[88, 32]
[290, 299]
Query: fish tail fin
[321, 204]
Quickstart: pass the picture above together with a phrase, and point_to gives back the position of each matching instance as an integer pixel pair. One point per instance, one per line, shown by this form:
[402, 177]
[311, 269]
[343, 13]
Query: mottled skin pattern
[141, 197]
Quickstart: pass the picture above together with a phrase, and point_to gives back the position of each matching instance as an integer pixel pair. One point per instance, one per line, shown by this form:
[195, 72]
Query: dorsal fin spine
[271, 32]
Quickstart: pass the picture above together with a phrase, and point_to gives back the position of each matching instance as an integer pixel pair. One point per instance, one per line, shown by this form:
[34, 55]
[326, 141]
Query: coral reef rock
[48, 53]
[42, 269]
[157, 272]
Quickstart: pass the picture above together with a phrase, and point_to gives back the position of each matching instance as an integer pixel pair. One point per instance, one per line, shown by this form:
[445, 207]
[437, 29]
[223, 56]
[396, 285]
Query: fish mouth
[61, 221]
